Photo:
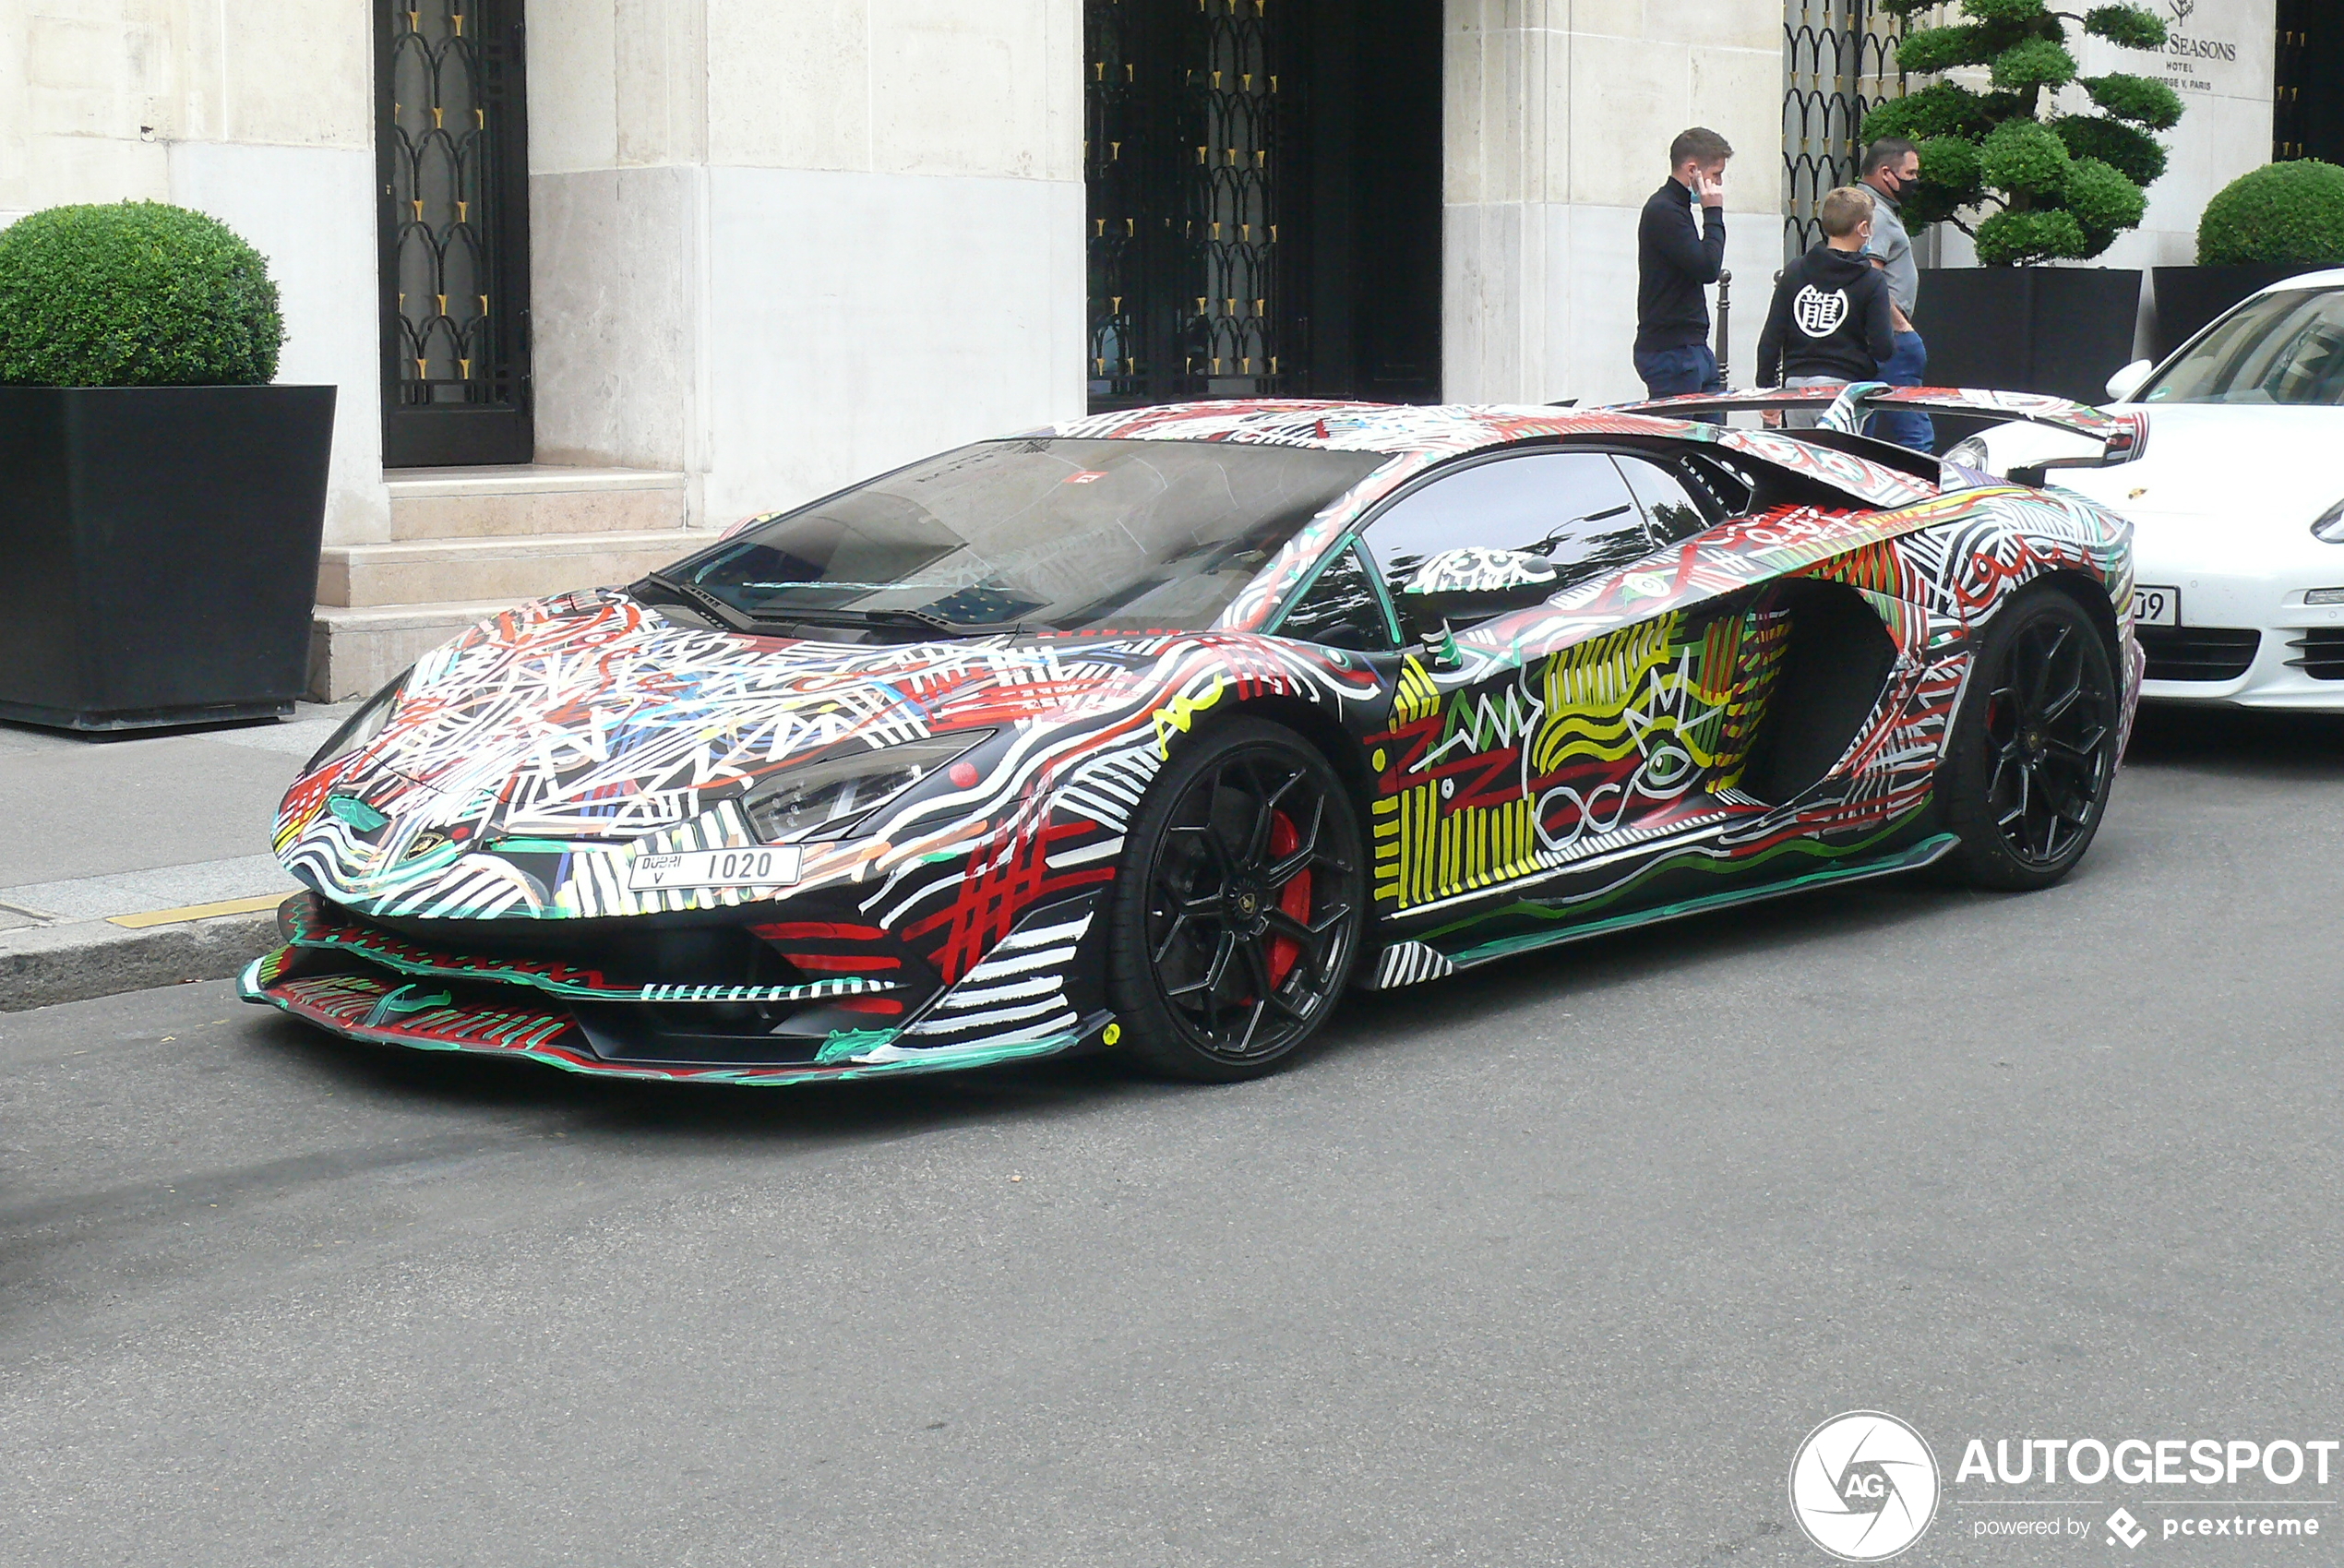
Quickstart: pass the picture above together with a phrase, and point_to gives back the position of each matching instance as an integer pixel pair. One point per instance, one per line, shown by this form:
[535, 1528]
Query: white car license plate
[2157, 606]
[765, 866]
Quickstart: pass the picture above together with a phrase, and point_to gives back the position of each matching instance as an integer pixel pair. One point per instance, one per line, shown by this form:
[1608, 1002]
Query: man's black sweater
[1829, 317]
[1673, 262]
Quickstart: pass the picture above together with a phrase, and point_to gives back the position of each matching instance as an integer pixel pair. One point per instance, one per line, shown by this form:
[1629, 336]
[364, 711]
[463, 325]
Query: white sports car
[2237, 498]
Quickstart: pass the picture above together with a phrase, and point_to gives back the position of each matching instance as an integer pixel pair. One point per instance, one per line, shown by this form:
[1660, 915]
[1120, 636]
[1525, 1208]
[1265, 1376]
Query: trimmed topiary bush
[2281, 215]
[137, 294]
[2034, 183]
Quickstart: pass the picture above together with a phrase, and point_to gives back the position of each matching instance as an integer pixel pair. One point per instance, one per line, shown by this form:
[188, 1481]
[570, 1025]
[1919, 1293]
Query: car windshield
[2281, 348]
[1043, 532]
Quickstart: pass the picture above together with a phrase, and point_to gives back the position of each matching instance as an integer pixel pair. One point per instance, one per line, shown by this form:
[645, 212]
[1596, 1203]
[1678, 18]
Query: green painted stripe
[1912, 859]
[1684, 860]
[356, 812]
[847, 1044]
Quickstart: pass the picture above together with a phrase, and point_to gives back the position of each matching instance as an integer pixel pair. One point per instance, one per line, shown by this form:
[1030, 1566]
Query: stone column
[1559, 118]
[784, 249]
[262, 117]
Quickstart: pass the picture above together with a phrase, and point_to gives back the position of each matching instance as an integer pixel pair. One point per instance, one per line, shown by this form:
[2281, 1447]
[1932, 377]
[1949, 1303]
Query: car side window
[1341, 608]
[1570, 506]
[1670, 508]
[1720, 487]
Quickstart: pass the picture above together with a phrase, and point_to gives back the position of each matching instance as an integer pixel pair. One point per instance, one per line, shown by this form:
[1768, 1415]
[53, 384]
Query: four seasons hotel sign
[2217, 57]
[2202, 44]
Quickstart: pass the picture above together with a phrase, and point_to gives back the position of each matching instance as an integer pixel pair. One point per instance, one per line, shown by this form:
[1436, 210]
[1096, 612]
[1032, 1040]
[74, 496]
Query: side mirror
[2127, 381]
[1470, 585]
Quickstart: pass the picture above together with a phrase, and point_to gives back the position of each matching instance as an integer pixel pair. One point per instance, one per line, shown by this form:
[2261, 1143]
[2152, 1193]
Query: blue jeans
[1904, 366]
[1669, 372]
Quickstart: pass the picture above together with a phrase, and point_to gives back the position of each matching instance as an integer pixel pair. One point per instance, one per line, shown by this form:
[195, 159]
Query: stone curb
[82, 959]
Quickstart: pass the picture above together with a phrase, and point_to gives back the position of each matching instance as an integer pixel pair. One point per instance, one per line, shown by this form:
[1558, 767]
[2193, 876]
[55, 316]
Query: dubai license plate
[765, 866]
[2157, 606]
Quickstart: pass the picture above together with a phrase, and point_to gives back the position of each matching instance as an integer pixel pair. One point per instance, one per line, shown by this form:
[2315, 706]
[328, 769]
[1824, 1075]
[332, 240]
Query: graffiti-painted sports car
[1157, 731]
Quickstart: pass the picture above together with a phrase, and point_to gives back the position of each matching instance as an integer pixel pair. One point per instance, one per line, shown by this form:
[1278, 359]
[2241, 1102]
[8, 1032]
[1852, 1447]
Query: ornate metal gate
[2307, 108]
[452, 143]
[1193, 151]
[1838, 61]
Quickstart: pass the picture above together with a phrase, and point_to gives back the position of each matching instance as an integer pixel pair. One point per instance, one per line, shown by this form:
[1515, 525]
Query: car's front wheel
[2034, 747]
[1239, 907]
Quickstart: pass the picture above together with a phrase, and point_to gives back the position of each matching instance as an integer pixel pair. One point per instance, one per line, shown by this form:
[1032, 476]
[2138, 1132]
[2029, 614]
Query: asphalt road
[1551, 1264]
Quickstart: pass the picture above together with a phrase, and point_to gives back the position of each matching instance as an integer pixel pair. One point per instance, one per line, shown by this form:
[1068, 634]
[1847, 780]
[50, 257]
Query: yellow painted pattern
[1416, 699]
[1655, 696]
[1757, 659]
[1180, 714]
[1590, 688]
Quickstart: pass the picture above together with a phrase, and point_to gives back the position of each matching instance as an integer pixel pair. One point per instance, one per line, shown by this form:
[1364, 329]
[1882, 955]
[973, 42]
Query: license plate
[2157, 606]
[764, 866]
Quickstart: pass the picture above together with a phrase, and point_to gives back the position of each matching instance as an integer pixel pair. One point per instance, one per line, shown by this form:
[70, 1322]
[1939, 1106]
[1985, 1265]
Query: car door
[1487, 775]
[1455, 811]
[1730, 648]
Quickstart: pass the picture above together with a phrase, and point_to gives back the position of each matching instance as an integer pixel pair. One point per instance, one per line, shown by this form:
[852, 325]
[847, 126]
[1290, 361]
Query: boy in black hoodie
[1830, 317]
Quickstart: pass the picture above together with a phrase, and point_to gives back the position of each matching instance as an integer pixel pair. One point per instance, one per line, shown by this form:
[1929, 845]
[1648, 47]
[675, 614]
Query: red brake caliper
[1293, 899]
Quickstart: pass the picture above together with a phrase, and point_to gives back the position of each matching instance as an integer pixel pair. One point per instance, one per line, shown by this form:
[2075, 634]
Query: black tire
[2034, 747]
[1239, 906]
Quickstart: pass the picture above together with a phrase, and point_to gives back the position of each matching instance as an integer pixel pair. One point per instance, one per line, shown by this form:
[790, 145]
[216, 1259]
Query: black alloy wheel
[1239, 906]
[2034, 749]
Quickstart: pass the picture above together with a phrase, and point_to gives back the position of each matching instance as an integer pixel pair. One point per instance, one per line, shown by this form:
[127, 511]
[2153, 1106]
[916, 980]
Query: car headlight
[1969, 451]
[827, 799]
[2328, 528]
[371, 717]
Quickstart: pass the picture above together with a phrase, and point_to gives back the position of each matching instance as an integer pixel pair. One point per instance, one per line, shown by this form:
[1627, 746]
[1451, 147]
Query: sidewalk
[141, 862]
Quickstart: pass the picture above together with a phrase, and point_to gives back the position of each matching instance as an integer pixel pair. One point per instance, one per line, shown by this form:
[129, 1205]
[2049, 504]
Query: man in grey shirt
[1891, 167]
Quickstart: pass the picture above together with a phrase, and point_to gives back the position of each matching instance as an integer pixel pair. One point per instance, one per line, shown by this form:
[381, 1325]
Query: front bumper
[2246, 641]
[367, 983]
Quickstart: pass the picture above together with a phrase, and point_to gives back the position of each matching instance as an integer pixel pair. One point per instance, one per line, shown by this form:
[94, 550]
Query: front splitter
[385, 1012]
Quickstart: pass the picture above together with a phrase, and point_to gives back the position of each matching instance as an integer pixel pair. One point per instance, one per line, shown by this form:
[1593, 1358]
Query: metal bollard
[1725, 316]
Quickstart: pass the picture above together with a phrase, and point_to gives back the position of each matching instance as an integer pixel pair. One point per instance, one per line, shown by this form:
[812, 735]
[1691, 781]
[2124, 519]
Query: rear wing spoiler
[2121, 436]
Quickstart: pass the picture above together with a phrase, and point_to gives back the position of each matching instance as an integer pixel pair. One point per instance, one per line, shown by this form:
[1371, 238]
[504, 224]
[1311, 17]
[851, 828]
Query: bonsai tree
[2049, 185]
[137, 293]
[2279, 215]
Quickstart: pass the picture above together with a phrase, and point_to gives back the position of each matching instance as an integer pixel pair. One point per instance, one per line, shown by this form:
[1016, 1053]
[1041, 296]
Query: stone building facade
[611, 272]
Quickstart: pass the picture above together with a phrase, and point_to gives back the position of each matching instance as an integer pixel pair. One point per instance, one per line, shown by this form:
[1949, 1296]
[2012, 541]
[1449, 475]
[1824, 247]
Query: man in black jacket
[1830, 319]
[1674, 263]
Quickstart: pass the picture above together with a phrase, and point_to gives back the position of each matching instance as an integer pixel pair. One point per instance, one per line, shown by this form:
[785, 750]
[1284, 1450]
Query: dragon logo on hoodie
[1817, 313]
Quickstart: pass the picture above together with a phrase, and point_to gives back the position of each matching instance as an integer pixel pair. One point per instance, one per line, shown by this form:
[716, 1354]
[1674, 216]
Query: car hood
[528, 761]
[2272, 467]
[604, 720]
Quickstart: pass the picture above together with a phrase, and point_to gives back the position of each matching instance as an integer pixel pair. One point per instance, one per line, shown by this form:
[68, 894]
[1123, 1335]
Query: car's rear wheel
[2034, 747]
[1239, 907]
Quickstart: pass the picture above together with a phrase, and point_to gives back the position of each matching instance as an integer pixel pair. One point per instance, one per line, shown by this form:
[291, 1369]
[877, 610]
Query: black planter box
[2059, 330]
[161, 551]
[2189, 297]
